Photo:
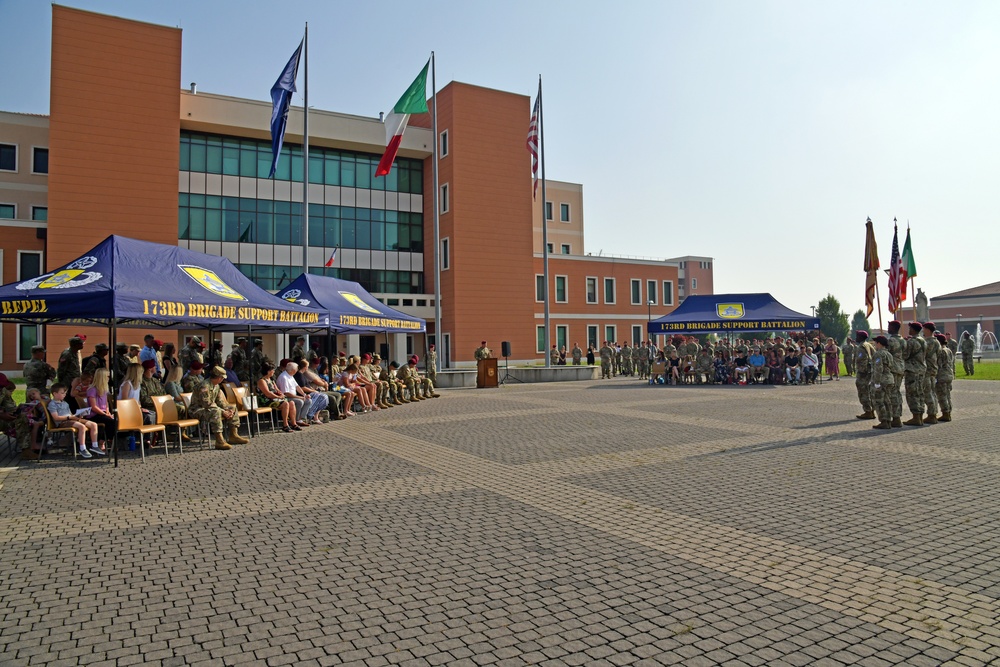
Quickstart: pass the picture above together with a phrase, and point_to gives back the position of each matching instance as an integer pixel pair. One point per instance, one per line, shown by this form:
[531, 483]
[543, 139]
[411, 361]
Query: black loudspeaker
[505, 349]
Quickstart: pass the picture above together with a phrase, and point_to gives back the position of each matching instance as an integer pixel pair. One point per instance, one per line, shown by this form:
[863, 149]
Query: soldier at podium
[483, 352]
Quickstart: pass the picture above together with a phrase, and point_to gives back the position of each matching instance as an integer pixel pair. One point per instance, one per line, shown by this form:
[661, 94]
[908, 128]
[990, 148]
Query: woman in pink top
[100, 411]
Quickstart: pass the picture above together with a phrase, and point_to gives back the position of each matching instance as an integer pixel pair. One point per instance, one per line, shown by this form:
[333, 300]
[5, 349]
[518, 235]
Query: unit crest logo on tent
[212, 282]
[730, 311]
[293, 296]
[356, 301]
[74, 275]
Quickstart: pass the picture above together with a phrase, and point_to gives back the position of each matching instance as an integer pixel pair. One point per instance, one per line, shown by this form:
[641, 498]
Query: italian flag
[908, 269]
[414, 100]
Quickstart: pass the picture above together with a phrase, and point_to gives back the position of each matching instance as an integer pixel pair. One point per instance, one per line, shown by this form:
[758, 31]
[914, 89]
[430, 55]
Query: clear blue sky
[759, 133]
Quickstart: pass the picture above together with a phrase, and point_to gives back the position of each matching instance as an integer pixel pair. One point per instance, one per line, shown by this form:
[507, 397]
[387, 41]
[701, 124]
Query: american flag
[532, 143]
[897, 282]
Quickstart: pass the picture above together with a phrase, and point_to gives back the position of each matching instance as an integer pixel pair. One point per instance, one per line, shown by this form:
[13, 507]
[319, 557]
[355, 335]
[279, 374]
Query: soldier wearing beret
[946, 373]
[932, 349]
[913, 374]
[882, 381]
[895, 395]
[863, 355]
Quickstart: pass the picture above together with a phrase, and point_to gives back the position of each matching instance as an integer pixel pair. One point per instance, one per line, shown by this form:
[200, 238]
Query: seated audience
[62, 417]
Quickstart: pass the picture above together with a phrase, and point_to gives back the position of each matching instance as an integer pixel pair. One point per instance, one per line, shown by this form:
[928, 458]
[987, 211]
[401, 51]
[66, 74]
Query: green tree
[832, 320]
[859, 323]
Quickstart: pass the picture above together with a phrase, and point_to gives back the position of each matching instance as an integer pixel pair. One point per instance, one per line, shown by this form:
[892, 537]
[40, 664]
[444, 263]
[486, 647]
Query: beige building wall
[23, 188]
[564, 198]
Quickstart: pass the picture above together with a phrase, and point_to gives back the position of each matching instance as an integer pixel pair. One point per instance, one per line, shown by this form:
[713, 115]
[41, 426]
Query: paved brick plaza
[590, 523]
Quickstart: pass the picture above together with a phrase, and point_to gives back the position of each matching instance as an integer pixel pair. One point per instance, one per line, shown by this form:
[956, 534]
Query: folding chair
[130, 419]
[241, 394]
[51, 428]
[166, 414]
[231, 398]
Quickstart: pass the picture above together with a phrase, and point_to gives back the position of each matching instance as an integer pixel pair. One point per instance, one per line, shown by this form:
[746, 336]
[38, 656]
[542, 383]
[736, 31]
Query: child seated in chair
[63, 417]
[30, 420]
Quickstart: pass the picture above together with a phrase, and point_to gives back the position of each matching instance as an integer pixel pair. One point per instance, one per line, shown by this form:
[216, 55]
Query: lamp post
[958, 325]
[813, 310]
[649, 316]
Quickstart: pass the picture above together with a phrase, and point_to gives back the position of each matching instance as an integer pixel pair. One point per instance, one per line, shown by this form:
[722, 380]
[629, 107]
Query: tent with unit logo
[123, 282]
[731, 314]
[349, 306]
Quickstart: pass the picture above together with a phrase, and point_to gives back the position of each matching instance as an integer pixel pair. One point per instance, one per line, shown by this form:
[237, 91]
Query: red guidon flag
[414, 100]
[871, 267]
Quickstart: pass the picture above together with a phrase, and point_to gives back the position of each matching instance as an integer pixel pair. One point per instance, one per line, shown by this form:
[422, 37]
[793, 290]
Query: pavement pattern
[587, 523]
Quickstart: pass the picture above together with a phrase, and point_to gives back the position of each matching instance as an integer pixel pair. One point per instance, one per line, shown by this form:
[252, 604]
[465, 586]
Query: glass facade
[274, 277]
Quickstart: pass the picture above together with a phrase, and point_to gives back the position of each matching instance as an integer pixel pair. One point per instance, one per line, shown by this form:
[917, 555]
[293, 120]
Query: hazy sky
[758, 133]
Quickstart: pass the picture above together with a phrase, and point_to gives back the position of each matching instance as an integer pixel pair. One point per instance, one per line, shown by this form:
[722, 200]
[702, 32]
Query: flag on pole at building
[414, 100]
[333, 258]
[281, 98]
[909, 268]
[895, 269]
[871, 267]
[533, 141]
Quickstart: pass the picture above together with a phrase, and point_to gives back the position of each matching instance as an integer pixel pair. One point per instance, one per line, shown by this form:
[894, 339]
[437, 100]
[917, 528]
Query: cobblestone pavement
[590, 523]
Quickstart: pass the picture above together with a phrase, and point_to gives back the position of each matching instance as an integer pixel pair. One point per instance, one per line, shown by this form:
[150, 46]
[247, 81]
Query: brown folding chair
[130, 419]
[241, 412]
[241, 394]
[166, 414]
[50, 427]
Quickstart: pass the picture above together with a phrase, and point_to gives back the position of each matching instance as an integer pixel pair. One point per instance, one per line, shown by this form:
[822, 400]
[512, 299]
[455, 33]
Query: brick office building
[130, 152]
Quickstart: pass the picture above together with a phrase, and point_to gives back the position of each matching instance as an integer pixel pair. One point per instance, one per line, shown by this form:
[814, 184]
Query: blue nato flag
[281, 98]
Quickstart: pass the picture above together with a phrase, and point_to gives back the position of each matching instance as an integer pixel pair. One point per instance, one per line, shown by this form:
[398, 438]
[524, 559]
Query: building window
[636, 334]
[27, 338]
[445, 254]
[40, 161]
[40, 213]
[444, 144]
[549, 247]
[636, 292]
[694, 283]
[8, 157]
[651, 291]
[29, 264]
[444, 198]
[564, 212]
[609, 290]
[668, 292]
[548, 210]
[562, 335]
[8, 211]
[592, 336]
[539, 288]
[610, 333]
[561, 289]
[592, 290]
[540, 339]
[565, 249]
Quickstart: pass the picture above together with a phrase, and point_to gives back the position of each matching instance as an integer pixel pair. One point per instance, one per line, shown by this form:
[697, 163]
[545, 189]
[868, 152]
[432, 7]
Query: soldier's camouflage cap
[37, 348]
[376, 358]
[218, 372]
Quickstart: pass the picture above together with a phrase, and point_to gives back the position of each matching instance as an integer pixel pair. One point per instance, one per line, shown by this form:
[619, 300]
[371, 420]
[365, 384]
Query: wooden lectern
[486, 375]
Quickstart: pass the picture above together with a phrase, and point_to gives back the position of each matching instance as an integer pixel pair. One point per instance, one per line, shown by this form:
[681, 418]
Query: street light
[814, 310]
[649, 315]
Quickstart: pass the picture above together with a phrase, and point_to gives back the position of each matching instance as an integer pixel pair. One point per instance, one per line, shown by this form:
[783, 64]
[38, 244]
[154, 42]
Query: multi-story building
[134, 153]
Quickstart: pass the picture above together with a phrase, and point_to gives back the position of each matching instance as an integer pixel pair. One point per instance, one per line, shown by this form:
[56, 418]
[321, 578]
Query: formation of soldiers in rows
[923, 363]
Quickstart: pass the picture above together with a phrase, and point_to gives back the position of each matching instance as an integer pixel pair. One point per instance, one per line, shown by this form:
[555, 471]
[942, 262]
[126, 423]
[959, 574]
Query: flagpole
[545, 227]
[878, 300]
[438, 337]
[305, 159]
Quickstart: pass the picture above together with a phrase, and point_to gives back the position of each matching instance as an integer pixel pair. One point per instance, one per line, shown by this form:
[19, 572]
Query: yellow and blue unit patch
[730, 311]
[356, 301]
[212, 282]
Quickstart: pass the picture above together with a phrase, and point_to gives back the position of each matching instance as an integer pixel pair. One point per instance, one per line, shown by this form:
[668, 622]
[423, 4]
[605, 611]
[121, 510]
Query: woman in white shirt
[130, 385]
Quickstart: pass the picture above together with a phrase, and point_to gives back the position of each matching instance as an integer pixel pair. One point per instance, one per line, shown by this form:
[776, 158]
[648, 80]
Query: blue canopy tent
[130, 283]
[349, 306]
[731, 313]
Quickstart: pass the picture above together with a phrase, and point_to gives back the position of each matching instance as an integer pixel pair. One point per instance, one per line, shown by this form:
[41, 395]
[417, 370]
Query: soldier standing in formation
[913, 360]
[850, 351]
[208, 404]
[968, 348]
[932, 349]
[895, 395]
[431, 363]
[863, 380]
[37, 372]
[882, 381]
[257, 358]
[482, 352]
[642, 355]
[553, 356]
[577, 354]
[69, 362]
[946, 373]
[299, 349]
[606, 352]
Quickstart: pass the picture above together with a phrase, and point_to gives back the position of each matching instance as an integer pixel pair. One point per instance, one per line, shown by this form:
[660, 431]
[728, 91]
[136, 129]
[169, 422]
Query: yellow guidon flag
[212, 282]
[730, 311]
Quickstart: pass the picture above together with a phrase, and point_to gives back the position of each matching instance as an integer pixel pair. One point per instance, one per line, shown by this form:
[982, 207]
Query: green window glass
[283, 172]
[213, 159]
[347, 171]
[331, 228]
[231, 160]
[185, 156]
[297, 165]
[315, 168]
[331, 171]
[362, 174]
[248, 162]
[265, 228]
[213, 225]
[196, 219]
[263, 164]
[282, 229]
[539, 339]
[182, 223]
[197, 162]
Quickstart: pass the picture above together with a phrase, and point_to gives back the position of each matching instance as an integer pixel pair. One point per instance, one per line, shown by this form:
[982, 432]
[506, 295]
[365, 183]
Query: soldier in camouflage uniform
[299, 349]
[430, 364]
[37, 372]
[945, 375]
[148, 388]
[968, 348]
[553, 356]
[193, 380]
[951, 343]
[97, 360]
[850, 353]
[8, 408]
[420, 387]
[120, 362]
[932, 348]
[913, 360]
[895, 393]
[627, 359]
[257, 358]
[882, 381]
[482, 352]
[371, 374]
[215, 357]
[68, 368]
[209, 405]
[703, 365]
[642, 357]
[606, 352]
[863, 381]
[577, 354]
[190, 353]
[241, 365]
[396, 385]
